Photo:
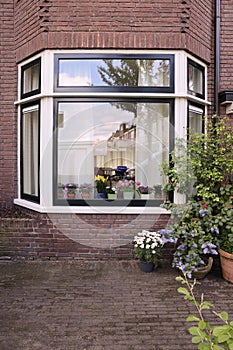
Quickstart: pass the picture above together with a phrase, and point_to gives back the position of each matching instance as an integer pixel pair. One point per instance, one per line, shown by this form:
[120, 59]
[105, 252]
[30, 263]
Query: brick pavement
[98, 305]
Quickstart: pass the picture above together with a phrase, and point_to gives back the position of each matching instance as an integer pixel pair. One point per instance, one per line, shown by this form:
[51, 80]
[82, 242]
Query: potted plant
[208, 158]
[157, 189]
[111, 192]
[127, 187]
[144, 191]
[147, 248]
[85, 189]
[101, 183]
[71, 190]
[195, 235]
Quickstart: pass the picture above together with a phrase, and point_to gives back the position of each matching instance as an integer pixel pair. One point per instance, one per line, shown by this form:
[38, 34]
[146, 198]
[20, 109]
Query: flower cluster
[194, 234]
[100, 183]
[148, 245]
[145, 189]
[70, 187]
[127, 185]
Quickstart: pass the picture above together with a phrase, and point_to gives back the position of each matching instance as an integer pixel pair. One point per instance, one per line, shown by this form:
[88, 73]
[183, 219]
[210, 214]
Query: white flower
[153, 252]
[147, 246]
[142, 246]
[148, 240]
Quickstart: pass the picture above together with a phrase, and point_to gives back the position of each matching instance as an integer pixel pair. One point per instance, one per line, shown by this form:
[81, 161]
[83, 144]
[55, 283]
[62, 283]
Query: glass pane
[31, 78]
[195, 79]
[30, 144]
[196, 121]
[114, 72]
[123, 142]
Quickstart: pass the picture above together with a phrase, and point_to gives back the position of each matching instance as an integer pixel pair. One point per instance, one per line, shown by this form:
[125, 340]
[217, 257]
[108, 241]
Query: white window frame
[46, 96]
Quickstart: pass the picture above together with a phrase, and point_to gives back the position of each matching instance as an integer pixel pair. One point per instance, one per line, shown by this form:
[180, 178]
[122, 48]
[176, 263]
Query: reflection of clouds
[67, 80]
[90, 121]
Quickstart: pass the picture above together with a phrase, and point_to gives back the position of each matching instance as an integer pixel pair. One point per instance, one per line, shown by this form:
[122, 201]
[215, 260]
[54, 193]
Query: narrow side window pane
[30, 152]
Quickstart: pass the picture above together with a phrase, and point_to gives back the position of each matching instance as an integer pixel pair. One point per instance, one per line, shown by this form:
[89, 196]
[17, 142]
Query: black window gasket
[23, 69]
[117, 89]
[106, 202]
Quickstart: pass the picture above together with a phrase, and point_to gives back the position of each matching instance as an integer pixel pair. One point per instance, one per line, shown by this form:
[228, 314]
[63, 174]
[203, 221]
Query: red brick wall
[129, 24]
[8, 122]
[226, 68]
[71, 236]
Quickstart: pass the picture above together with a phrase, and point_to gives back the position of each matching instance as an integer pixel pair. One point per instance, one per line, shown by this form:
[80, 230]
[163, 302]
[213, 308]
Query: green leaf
[192, 318]
[217, 330]
[222, 338]
[182, 290]
[196, 340]
[204, 346]
[194, 330]
[224, 316]
[202, 325]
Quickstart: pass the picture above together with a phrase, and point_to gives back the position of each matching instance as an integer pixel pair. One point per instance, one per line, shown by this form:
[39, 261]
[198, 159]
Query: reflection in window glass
[195, 121]
[114, 72]
[31, 78]
[30, 151]
[195, 79]
[118, 140]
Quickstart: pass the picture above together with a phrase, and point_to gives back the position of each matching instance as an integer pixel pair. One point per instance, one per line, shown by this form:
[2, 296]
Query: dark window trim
[106, 202]
[202, 69]
[203, 113]
[23, 69]
[148, 89]
[26, 196]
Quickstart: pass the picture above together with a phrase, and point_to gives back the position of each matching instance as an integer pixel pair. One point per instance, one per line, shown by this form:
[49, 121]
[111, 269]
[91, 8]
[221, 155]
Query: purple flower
[202, 212]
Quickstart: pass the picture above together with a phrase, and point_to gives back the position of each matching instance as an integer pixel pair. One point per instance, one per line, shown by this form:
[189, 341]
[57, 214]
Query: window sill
[90, 209]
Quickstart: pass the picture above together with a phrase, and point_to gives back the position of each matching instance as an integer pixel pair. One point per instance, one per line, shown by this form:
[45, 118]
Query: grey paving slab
[98, 305]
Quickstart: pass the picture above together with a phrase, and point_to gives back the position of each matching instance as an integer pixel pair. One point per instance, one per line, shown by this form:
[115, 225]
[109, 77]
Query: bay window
[111, 116]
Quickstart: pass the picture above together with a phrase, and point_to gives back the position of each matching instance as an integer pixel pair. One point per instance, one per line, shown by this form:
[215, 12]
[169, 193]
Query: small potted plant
[127, 187]
[144, 191]
[157, 189]
[85, 190]
[147, 248]
[71, 190]
[111, 192]
[101, 183]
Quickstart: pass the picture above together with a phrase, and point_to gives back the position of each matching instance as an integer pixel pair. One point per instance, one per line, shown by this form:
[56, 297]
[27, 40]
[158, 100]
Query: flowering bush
[145, 189]
[100, 183]
[127, 185]
[70, 188]
[195, 236]
[148, 245]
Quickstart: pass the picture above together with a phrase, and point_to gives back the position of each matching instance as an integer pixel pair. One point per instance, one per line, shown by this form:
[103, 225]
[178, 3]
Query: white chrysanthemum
[142, 246]
[147, 246]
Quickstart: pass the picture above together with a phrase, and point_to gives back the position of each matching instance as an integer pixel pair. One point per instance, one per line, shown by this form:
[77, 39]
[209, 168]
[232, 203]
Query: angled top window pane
[31, 79]
[195, 79]
[114, 72]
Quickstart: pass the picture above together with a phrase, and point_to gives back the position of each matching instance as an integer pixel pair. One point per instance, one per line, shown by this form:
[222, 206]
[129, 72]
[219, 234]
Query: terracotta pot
[226, 260]
[71, 195]
[85, 195]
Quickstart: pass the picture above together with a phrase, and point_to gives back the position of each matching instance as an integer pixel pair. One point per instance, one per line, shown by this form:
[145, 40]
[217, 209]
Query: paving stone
[98, 305]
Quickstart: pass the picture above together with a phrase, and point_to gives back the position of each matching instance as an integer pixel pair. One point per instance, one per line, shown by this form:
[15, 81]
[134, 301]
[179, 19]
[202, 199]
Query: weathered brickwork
[74, 236]
[8, 85]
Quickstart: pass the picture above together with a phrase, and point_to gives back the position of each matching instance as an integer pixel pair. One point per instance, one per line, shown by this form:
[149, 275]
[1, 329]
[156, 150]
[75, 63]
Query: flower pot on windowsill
[85, 195]
[112, 196]
[101, 195]
[144, 196]
[71, 195]
[128, 195]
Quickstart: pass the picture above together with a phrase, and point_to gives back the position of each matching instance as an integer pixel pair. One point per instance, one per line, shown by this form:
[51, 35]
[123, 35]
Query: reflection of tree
[133, 73]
